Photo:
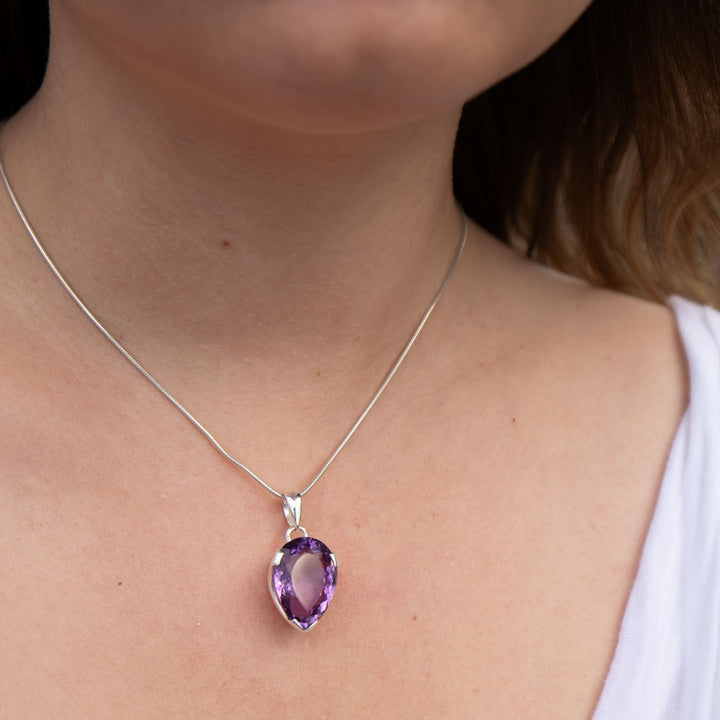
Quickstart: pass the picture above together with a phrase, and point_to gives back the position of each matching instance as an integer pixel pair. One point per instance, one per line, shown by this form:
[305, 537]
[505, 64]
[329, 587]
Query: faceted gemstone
[303, 576]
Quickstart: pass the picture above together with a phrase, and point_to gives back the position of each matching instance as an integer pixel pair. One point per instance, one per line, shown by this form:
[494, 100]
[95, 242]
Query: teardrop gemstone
[303, 576]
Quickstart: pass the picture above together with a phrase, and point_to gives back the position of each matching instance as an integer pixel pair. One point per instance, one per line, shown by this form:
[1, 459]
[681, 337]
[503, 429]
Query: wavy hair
[602, 157]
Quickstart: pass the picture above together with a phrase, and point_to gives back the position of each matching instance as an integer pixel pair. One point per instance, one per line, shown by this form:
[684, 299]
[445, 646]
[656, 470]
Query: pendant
[303, 573]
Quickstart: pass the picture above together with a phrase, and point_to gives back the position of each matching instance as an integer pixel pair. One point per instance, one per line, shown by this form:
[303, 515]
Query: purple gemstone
[303, 576]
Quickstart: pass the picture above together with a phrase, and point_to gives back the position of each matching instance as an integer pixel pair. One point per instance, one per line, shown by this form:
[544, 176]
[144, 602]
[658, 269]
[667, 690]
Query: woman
[256, 199]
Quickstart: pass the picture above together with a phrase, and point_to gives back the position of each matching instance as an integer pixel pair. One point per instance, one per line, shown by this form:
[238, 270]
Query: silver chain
[177, 404]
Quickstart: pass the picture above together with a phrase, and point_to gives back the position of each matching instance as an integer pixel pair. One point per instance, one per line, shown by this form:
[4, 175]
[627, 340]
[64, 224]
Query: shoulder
[649, 373]
[670, 635]
[615, 350]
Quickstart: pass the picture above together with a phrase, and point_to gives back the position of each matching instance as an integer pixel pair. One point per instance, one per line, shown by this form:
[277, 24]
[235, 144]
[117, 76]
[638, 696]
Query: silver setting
[295, 623]
[291, 530]
[292, 507]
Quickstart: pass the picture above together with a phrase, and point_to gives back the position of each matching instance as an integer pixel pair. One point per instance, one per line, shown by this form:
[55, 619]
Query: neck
[217, 234]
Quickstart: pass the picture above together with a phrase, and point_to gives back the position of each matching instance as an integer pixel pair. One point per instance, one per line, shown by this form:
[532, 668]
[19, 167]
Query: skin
[257, 198]
[321, 65]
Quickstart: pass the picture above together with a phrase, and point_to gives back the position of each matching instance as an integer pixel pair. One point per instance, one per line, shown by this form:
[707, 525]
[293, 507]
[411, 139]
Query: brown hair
[602, 157]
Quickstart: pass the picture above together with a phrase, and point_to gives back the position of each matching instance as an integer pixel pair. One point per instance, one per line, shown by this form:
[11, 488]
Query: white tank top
[667, 661]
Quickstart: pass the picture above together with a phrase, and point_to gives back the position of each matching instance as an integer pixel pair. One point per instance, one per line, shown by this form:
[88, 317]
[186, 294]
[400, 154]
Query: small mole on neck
[226, 243]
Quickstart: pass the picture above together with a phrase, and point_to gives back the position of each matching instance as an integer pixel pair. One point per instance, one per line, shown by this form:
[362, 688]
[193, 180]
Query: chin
[327, 65]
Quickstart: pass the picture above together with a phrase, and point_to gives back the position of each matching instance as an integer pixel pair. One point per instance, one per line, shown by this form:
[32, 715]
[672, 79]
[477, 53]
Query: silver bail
[292, 507]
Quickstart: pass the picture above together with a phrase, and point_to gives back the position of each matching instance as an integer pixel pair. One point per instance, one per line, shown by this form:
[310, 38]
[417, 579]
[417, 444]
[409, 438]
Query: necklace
[303, 574]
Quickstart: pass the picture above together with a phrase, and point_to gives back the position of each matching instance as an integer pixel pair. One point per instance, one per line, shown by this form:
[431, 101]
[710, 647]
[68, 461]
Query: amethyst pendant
[303, 575]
